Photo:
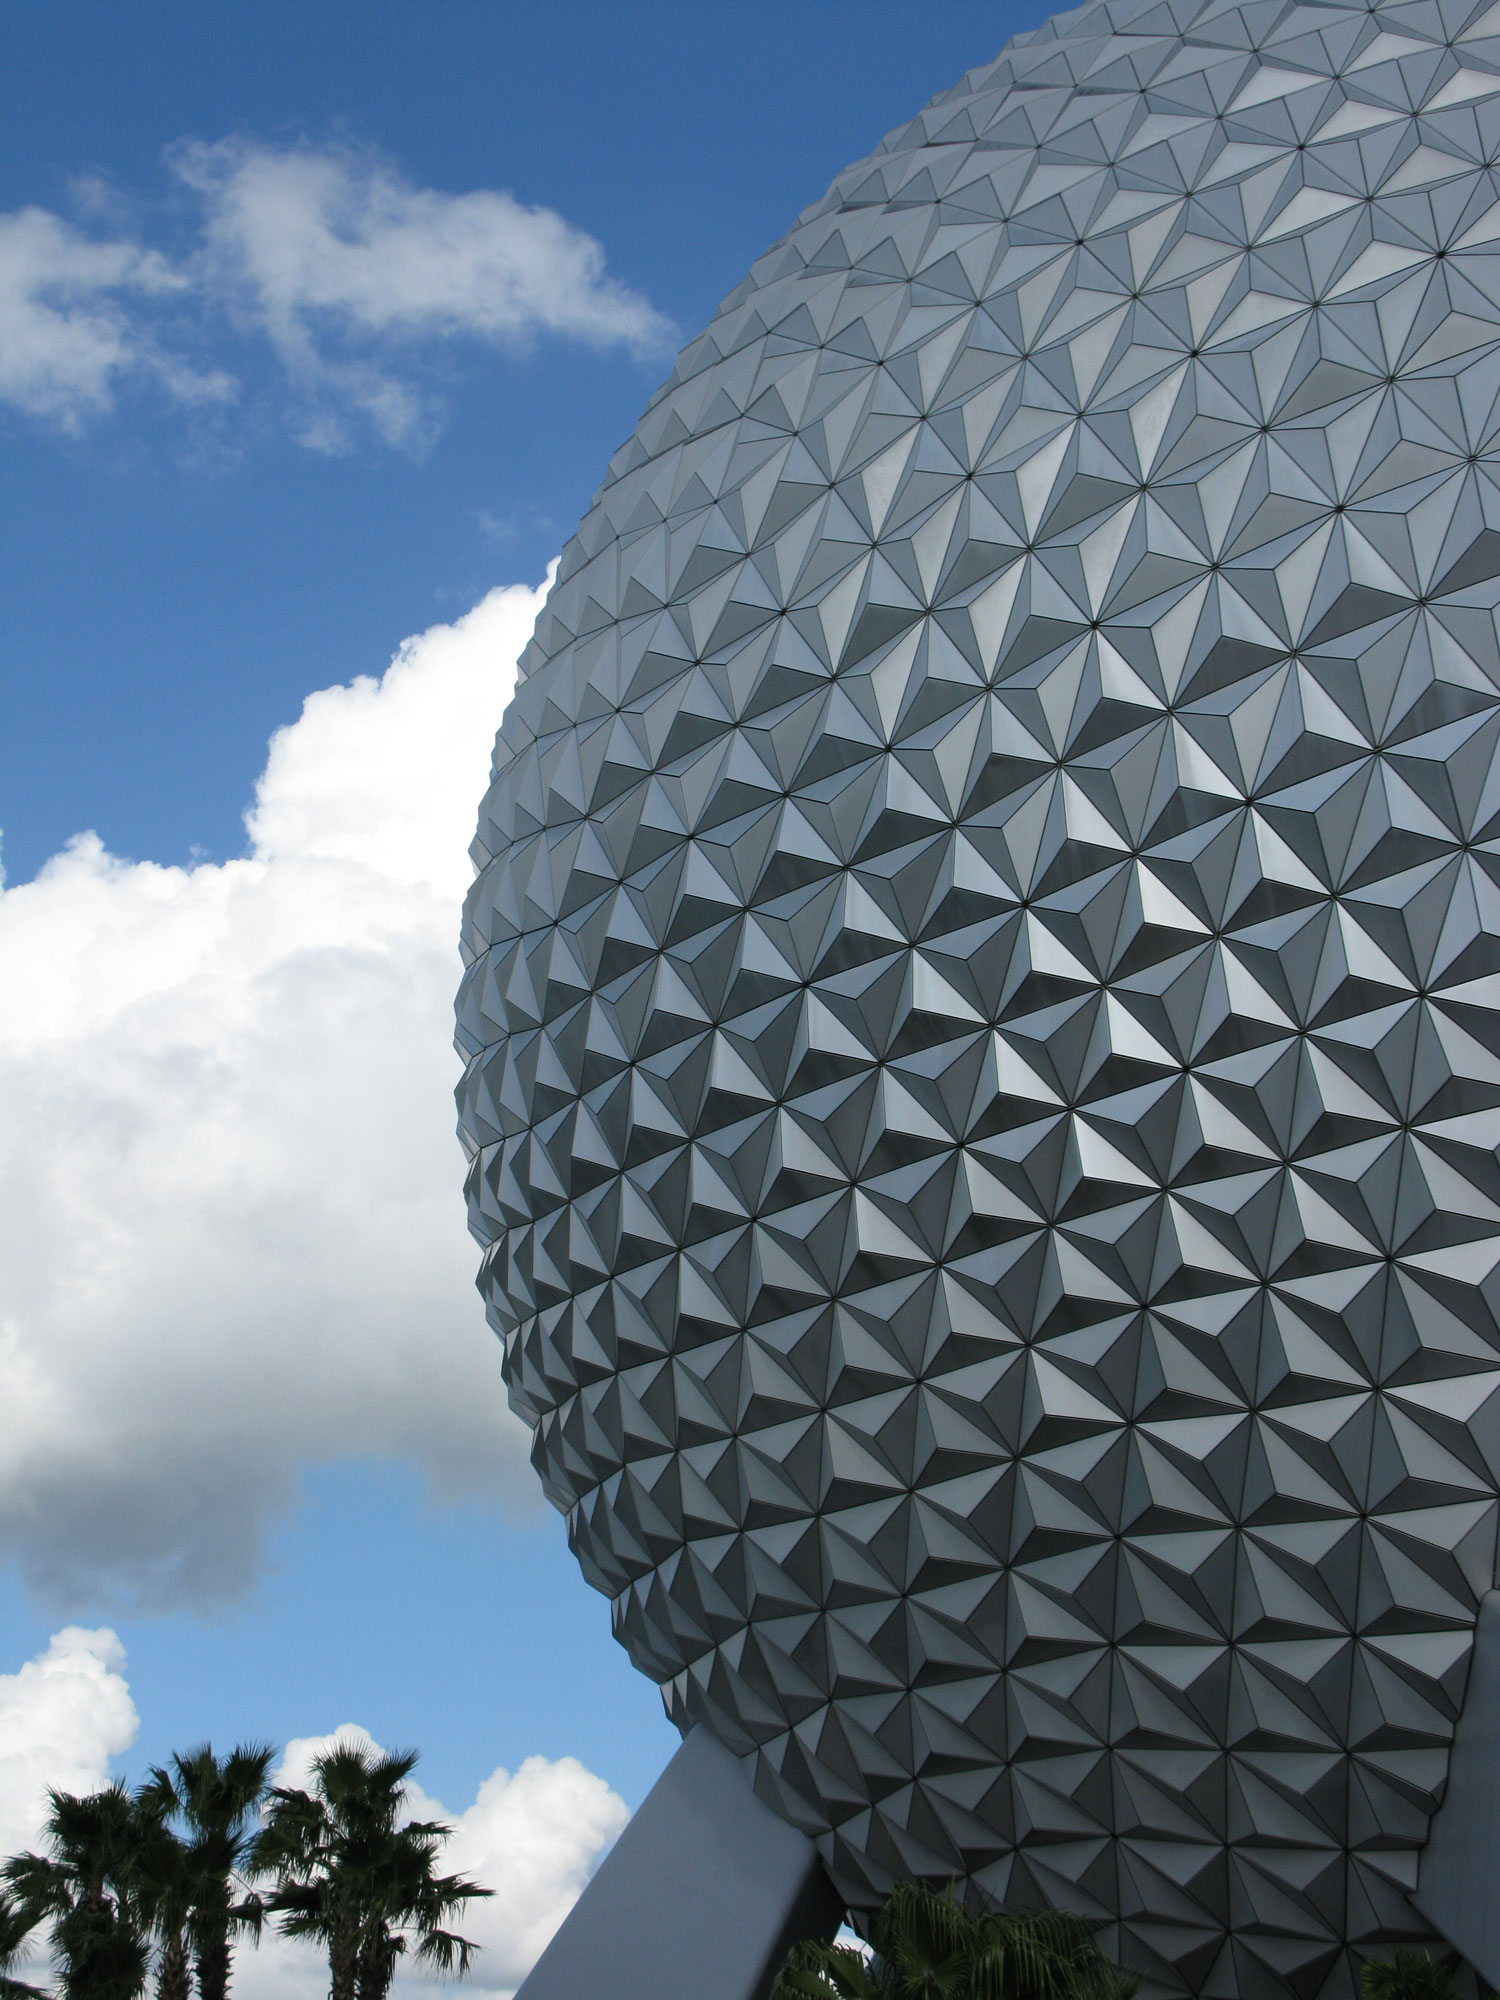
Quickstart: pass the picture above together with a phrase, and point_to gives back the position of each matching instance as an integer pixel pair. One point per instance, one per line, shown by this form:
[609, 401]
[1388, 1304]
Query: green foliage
[88, 1888]
[927, 1946]
[1410, 1975]
[171, 1867]
[118, 1876]
[350, 1876]
[199, 1896]
[15, 1930]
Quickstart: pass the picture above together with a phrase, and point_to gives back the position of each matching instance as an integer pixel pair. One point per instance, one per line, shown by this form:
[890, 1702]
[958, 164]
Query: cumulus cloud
[63, 1716]
[350, 273]
[70, 321]
[231, 1233]
[533, 1836]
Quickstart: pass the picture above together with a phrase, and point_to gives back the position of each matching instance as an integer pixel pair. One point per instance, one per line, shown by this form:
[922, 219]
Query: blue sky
[170, 600]
[233, 478]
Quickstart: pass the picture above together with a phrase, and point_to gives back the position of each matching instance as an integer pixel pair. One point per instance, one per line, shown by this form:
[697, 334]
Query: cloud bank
[328, 255]
[534, 1836]
[231, 1229]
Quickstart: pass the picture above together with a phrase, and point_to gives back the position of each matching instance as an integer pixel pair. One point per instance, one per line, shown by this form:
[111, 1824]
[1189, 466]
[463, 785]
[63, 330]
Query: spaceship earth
[981, 1010]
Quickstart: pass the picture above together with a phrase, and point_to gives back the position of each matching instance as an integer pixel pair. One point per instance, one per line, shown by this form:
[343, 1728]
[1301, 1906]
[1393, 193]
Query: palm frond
[39, 1887]
[814, 1970]
[346, 1871]
[923, 1938]
[446, 1951]
[1409, 1975]
[16, 1926]
[929, 1946]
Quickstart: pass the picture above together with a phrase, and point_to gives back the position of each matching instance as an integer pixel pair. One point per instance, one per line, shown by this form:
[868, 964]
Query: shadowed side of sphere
[981, 1047]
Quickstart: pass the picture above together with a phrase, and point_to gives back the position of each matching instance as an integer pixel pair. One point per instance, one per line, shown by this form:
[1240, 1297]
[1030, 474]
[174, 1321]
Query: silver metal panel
[983, 1071]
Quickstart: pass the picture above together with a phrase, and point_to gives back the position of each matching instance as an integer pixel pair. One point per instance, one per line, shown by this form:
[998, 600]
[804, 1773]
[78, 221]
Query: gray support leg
[701, 1895]
[1458, 1883]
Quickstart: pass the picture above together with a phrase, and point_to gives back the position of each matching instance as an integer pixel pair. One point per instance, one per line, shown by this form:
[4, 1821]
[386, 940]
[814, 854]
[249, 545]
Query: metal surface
[698, 1899]
[1456, 1888]
[981, 1012]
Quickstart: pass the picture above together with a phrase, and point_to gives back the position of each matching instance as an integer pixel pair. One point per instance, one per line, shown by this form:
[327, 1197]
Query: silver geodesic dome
[981, 1011]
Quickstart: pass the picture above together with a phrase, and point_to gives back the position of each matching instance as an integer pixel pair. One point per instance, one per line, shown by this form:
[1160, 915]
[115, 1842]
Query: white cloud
[66, 336]
[340, 261]
[350, 273]
[63, 1716]
[343, 234]
[533, 1836]
[231, 1229]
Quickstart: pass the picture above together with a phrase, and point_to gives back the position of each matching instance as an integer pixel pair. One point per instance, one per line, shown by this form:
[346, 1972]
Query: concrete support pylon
[701, 1895]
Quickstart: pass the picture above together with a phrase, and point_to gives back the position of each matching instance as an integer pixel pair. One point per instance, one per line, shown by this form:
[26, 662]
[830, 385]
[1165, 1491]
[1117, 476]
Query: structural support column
[1460, 1867]
[702, 1894]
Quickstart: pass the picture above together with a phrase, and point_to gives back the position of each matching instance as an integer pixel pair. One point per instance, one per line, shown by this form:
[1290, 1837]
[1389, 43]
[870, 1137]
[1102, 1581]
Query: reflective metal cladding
[981, 1014]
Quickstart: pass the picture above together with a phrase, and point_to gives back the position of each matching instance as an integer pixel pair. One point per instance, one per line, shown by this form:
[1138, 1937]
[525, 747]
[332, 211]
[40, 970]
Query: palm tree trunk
[343, 1966]
[174, 1973]
[213, 1968]
[377, 1968]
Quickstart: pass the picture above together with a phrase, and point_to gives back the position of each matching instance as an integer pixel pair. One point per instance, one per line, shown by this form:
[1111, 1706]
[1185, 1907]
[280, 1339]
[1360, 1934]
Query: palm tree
[161, 1893]
[87, 1887]
[1410, 1975]
[351, 1876]
[927, 1946]
[164, 1890]
[15, 1928]
[202, 1899]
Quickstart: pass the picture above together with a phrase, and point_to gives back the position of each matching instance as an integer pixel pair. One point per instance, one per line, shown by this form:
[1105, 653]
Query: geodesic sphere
[981, 1022]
